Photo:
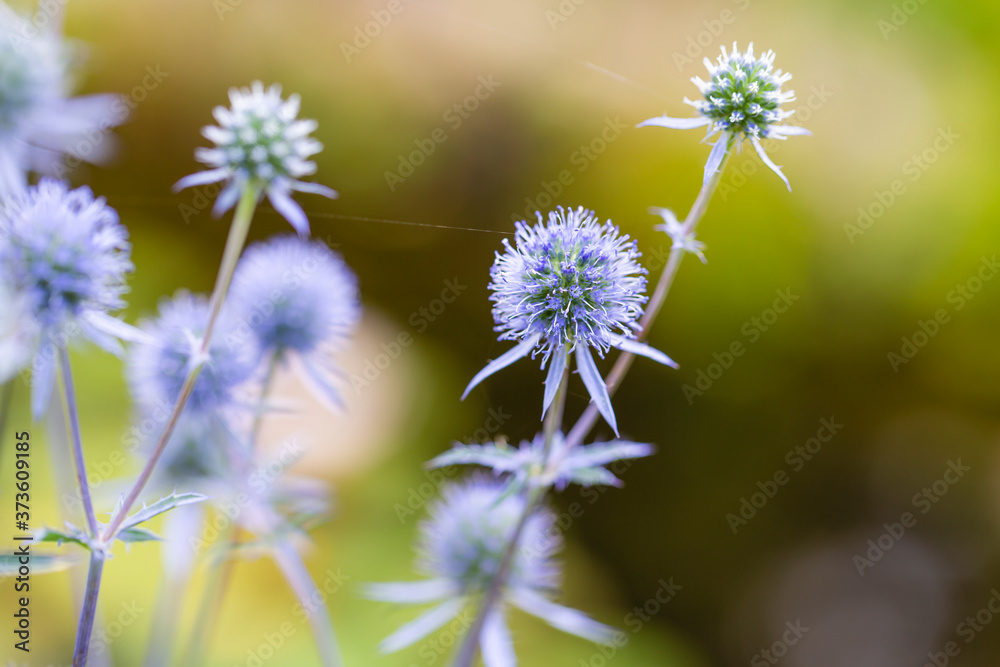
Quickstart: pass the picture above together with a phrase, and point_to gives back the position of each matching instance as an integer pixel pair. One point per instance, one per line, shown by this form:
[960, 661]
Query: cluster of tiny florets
[293, 295]
[743, 94]
[571, 281]
[464, 539]
[259, 137]
[160, 363]
[65, 253]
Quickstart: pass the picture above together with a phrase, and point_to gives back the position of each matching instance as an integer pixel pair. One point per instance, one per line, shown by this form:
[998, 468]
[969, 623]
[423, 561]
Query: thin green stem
[536, 494]
[86, 627]
[624, 362]
[88, 609]
[220, 572]
[305, 589]
[467, 652]
[234, 246]
[76, 442]
[238, 231]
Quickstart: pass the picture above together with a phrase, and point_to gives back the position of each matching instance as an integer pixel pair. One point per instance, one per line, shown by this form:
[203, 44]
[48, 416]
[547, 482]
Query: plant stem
[308, 593]
[467, 653]
[536, 494]
[220, 572]
[88, 609]
[86, 626]
[76, 442]
[663, 285]
[234, 246]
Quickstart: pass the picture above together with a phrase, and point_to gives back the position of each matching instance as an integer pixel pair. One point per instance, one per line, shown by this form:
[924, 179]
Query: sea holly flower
[295, 301]
[38, 122]
[158, 366]
[567, 285]
[64, 255]
[743, 100]
[260, 143]
[461, 547]
[528, 465]
[675, 229]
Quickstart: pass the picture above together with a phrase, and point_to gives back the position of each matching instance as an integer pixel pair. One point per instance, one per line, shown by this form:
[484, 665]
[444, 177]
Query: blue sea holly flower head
[295, 300]
[260, 143]
[65, 256]
[39, 123]
[529, 465]
[158, 366]
[568, 284]
[461, 547]
[743, 100]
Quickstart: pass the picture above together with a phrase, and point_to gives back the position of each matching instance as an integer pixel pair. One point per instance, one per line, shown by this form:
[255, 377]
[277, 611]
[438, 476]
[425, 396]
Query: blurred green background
[892, 92]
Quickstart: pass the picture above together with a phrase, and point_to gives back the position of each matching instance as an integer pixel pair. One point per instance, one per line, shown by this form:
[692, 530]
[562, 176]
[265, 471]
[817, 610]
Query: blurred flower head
[198, 454]
[38, 123]
[462, 545]
[571, 283]
[64, 255]
[259, 143]
[743, 100]
[292, 297]
[158, 366]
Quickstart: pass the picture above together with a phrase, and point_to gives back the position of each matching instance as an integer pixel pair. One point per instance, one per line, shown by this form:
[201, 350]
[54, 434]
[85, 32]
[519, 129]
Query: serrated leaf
[70, 534]
[162, 505]
[40, 563]
[135, 534]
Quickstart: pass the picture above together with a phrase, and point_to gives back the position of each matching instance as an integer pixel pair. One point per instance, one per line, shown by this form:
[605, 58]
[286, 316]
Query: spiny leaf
[70, 534]
[160, 506]
[135, 534]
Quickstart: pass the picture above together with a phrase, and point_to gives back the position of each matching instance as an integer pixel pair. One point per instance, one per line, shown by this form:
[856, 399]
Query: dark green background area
[877, 98]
